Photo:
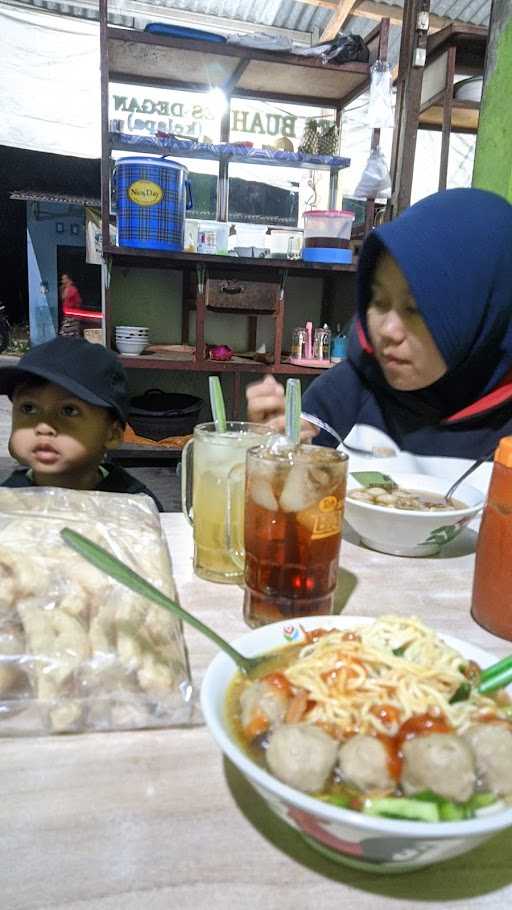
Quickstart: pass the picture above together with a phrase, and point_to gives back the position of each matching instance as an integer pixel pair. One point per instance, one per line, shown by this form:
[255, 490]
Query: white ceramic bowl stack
[131, 339]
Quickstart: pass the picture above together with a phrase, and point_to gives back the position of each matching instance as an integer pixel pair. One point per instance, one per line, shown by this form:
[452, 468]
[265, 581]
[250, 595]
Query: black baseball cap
[89, 371]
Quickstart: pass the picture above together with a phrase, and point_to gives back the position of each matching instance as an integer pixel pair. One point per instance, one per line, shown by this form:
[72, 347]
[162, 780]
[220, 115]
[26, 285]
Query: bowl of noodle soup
[372, 655]
[409, 530]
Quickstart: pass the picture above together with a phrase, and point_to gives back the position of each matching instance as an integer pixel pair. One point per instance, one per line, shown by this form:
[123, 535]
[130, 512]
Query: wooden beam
[367, 9]
[328, 4]
[338, 19]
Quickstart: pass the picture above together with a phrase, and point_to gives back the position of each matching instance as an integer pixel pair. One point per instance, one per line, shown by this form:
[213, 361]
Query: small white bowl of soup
[350, 814]
[412, 520]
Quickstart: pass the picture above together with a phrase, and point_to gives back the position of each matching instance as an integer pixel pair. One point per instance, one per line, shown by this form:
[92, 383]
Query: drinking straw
[292, 410]
[217, 404]
[496, 677]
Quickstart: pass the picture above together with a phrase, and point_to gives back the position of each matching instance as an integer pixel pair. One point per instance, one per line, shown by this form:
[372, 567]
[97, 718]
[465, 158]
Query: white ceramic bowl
[130, 347]
[469, 89]
[407, 533]
[375, 844]
[132, 328]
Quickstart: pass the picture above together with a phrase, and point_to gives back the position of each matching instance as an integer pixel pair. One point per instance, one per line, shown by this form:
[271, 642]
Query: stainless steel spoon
[376, 451]
[476, 464]
[106, 562]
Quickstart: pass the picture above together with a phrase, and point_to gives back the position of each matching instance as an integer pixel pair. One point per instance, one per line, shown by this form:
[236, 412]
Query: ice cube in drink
[293, 522]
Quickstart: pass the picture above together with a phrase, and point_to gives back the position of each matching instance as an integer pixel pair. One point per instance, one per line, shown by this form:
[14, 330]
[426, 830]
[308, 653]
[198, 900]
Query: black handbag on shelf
[347, 49]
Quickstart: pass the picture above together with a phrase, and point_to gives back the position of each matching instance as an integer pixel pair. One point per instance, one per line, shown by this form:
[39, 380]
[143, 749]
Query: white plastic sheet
[49, 83]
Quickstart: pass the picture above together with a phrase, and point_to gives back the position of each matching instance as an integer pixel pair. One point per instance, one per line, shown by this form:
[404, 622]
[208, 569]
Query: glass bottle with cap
[491, 605]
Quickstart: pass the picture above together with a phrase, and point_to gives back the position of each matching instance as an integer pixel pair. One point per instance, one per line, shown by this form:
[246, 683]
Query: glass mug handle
[186, 481]
[233, 522]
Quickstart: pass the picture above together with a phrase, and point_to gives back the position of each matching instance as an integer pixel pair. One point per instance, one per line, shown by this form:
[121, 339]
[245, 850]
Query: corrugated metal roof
[289, 14]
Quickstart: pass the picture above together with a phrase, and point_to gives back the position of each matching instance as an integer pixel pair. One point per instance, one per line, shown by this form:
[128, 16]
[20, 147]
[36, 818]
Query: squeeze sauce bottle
[492, 584]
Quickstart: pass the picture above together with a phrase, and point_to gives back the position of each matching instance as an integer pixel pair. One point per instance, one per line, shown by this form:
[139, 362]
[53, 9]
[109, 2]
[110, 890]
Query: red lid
[328, 214]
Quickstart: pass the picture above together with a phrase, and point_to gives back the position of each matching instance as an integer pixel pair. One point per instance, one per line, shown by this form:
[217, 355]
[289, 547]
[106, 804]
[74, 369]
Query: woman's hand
[265, 404]
[265, 400]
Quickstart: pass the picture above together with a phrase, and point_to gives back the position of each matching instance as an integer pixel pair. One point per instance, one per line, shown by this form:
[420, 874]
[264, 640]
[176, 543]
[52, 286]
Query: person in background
[430, 355]
[69, 407]
[70, 302]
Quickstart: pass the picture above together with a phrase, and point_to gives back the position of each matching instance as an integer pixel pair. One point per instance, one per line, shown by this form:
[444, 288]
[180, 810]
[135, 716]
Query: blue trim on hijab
[455, 249]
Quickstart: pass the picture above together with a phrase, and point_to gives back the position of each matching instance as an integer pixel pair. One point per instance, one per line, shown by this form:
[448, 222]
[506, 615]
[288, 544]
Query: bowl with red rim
[376, 844]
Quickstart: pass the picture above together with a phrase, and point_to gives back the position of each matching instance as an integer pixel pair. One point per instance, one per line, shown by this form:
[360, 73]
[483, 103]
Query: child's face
[403, 345]
[61, 437]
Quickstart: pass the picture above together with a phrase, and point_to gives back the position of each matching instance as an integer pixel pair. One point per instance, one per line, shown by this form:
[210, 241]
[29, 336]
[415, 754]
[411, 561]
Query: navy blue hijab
[455, 249]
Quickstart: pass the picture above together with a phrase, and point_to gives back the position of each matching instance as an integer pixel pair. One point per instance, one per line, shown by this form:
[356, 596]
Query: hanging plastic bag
[380, 108]
[375, 180]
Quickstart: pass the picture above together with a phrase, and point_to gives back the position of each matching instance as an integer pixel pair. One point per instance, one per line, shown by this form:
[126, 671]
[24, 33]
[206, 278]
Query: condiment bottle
[322, 345]
[492, 584]
[338, 345]
[298, 342]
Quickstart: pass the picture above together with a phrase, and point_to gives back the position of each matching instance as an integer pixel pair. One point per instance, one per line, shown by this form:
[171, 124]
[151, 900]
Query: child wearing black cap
[70, 405]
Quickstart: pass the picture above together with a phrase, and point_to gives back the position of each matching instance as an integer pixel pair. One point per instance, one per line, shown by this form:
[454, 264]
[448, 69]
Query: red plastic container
[491, 605]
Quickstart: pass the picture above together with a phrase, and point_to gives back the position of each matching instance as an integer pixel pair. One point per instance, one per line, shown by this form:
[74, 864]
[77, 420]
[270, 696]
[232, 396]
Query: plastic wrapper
[341, 49]
[79, 651]
[375, 180]
[380, 106]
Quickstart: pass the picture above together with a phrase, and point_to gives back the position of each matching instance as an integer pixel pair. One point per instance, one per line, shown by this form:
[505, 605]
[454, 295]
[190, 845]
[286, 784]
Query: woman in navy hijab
[430, 355]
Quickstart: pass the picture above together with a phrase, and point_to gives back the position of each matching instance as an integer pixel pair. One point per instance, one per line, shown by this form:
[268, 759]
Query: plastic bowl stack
[131, 339]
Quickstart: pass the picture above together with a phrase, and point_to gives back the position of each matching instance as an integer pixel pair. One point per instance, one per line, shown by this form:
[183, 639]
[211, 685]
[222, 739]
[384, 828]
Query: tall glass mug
[208, 460]
[294, 506]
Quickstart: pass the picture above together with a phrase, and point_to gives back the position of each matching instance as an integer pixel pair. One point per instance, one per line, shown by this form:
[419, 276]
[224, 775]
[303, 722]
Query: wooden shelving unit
[453, 50]
[130, 257]
[142, 58]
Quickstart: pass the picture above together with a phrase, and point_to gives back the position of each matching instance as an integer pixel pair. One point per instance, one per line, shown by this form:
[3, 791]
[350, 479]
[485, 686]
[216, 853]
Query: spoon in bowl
[110, 565]
[476, 464]
[495, 677]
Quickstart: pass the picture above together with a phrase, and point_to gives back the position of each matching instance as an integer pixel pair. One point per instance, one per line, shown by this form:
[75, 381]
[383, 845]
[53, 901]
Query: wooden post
[237, 395]
[279, 320]
[382, 54]
[447, 118]
[105, 146]
[493, 157]
[200, 314]
[408, 100]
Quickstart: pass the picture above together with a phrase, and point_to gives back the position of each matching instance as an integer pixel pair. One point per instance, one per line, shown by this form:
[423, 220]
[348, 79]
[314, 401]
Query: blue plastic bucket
[152, 196]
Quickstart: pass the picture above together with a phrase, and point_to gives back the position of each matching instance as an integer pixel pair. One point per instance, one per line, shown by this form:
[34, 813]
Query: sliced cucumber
[401, 807]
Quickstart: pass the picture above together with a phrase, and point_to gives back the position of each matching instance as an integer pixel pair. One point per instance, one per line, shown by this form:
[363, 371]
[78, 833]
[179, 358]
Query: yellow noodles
[353, 676]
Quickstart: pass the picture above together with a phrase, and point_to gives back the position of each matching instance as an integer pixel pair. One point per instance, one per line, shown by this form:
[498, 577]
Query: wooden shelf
[470, 41]
[140, 57]
[464, 118]
[162, 362]
[149, 145]
[134, 257]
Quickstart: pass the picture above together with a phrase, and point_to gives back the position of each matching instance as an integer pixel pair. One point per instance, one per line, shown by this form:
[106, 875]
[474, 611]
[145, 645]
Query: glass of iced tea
[208, 460]
[294, 503]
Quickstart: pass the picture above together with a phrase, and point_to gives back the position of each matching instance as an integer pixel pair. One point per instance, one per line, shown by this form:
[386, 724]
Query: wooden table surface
[158, 820]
